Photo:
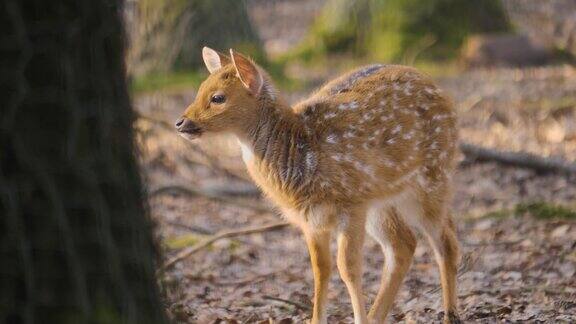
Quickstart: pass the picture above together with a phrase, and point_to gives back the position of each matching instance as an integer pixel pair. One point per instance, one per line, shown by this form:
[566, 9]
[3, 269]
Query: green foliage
[498, 214]
[191, 79]
[399, 30]
[167, 81]
[540, 210]
[183, 241]
[544, 210]
[105, 312]
[342, 26]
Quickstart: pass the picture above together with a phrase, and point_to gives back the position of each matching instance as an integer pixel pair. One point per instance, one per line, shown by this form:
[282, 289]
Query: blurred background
[76, 220]
[509, 66]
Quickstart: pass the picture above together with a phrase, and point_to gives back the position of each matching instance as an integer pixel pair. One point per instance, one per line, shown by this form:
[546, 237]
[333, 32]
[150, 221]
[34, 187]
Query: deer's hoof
[452, 318]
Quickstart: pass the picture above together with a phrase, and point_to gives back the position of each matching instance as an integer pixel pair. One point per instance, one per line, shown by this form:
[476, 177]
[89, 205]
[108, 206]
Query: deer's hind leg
[398, 244]
[446, 252]
[438, 227]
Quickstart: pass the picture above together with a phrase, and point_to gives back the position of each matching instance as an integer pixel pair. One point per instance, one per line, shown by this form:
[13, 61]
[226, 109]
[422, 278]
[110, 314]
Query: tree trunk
[551, 21]
[168, 35]
[75, 239]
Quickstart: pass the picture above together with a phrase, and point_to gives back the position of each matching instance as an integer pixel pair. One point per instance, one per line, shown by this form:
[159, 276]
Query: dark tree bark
[75, 240]
[551, 21]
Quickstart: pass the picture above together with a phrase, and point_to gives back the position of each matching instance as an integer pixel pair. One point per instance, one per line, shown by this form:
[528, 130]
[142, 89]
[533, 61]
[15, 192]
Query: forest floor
[517, 226]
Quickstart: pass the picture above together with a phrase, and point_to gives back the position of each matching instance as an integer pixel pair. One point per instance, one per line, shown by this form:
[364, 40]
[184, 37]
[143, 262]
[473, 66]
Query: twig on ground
[515, 290]
[495, 243]
[191, 228]
[251, 318]
[293, 303]
[212, 194]
[218, 236]
[250, 280]
[520, 159]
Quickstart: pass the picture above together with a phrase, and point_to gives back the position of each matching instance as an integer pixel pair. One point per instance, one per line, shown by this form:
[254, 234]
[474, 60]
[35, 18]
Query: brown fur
[372, 150]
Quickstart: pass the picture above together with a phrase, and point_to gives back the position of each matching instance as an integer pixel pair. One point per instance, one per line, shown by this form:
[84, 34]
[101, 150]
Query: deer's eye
[218, 99]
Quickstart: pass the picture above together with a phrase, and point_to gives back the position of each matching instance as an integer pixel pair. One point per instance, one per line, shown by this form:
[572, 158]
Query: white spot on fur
[364, 168]
[408, 88]
[330, 115]
[440, 117]
[311, 160]
[332, 139]
[397, 129]
[366, 117]
[387, 162]
[351, 105]
[431, 91]
[408, 135]
[386, 118]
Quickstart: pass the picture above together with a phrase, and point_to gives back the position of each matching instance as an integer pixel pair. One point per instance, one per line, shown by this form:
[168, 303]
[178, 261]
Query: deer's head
[230, 95]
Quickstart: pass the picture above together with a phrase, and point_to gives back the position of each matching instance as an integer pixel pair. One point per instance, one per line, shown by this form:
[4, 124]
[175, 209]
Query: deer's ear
[248, 73]
[214, 60]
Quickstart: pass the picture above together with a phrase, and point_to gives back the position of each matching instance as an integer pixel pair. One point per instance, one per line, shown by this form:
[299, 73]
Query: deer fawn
[371, 151]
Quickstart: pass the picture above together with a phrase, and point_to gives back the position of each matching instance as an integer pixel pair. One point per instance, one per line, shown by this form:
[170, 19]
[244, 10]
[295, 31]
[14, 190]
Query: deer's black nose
[185, 125]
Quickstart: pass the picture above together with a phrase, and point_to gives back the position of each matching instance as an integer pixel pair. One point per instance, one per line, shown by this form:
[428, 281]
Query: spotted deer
[371, 151]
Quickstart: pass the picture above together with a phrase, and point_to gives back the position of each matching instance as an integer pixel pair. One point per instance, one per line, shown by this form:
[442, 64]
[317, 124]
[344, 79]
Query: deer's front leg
[350, 242]
[319, 248]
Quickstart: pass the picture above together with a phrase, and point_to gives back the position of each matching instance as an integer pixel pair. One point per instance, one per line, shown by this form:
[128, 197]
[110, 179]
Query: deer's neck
[277, 147]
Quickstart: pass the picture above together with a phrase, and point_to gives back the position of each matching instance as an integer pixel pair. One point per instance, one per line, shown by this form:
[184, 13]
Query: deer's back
[377, 125]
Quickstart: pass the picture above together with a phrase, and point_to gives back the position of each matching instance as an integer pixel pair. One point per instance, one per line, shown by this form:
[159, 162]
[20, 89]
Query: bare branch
[250, 280]
[218, 236]
[520, 159]
[191, 228]
[289, 302]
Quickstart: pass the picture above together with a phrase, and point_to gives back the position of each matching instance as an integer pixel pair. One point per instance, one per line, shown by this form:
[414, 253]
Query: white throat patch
[247, 153]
